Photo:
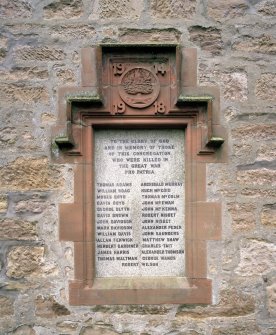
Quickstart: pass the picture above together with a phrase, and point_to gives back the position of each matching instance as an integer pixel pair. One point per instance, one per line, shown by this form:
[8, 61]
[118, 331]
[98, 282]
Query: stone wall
[40, 42]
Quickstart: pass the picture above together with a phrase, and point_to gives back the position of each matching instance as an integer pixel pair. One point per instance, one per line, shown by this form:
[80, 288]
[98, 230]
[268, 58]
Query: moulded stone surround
[196, 112]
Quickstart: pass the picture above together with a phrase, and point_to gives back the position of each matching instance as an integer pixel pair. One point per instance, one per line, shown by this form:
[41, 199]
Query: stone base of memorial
[146, 291]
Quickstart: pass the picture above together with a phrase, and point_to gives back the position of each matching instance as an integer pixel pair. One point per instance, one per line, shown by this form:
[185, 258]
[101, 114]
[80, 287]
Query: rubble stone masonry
[40, 44]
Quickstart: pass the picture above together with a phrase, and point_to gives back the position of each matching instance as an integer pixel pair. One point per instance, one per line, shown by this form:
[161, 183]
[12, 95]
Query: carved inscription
[139, 202]
[140, 85]
[119, 108]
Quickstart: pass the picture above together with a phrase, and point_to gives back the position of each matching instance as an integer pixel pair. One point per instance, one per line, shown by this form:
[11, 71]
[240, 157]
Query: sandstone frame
[195, 109]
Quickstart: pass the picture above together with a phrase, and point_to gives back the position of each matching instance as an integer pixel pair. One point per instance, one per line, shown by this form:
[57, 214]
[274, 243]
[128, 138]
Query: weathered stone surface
[16, 115]
[257, 114]
[224, 10]
[221, 181]
[98, 331]
[65, 76]
[29, 141]
[28, 203]
[67, 326]
[271, 298]
[243, 216]
[42, 54]
[256, 177]
[269, 330]
[33, 205]
[208, 38]
[6, 306]
[8, 136]
[19, 29]
[3, 203]
[13, 285]
[48, 307]
[169, 35]
[30, 174]
[24, 330]
[11, 229]
[73, 32]
[188, 332]
[47, 118]
[3, 41]
[173, 8]
[257, 192]
[186, 326]
[231, 113]
[15, 9]
[234, 86]
[3, 53]
[262, 44]
[24, 261]
[267, 8]
[209, 74]
[242, 150]
[266, 87]
[24, 73]
[132, 309]
[63, 9]
[106, 9]
[237, 328]
[232, 303]
[23, 94]
[267, 152]
[268, 215]
[256, 132]
[256, 258]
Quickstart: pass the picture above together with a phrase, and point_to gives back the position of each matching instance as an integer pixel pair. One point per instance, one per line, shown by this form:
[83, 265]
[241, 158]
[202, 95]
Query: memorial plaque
[140, 134]
[139, 202]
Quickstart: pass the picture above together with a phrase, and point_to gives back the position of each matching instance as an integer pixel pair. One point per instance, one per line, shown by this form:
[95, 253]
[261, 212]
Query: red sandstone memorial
[140, 221]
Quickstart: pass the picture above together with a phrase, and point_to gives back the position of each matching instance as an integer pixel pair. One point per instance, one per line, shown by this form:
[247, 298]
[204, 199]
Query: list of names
[139, 203]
